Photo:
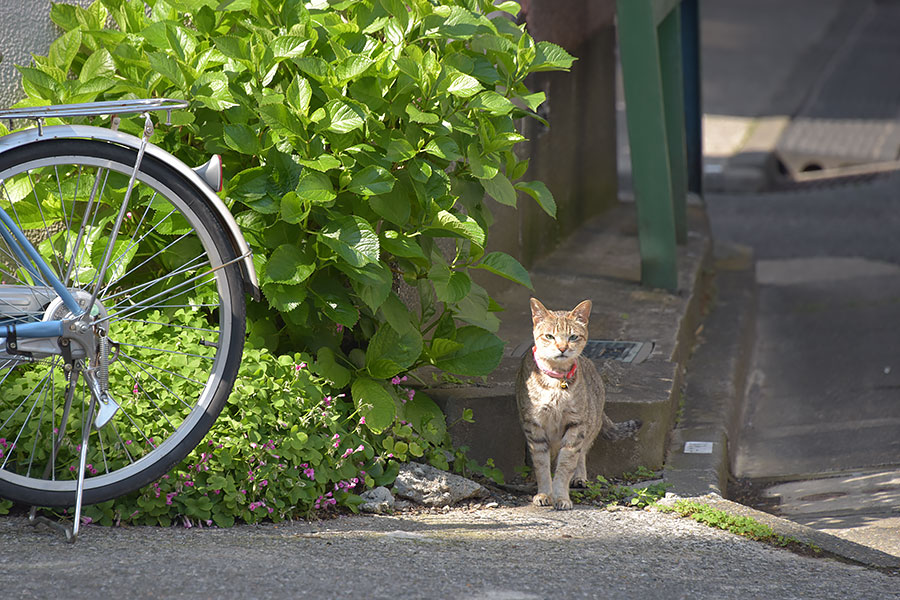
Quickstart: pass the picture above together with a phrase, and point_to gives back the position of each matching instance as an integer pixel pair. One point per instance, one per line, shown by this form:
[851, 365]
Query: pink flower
[362, 421]
[310, 472]
[326, 400]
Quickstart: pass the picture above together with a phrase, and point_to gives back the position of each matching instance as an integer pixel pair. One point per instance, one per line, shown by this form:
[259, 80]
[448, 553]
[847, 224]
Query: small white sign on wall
[698, 447]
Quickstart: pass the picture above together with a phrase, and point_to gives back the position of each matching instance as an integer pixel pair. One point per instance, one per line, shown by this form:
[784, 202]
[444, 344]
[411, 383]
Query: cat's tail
[619, 431]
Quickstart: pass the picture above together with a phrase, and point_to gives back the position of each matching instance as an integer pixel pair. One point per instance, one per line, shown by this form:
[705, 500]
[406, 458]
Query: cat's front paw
[562, 503]
[541, 500]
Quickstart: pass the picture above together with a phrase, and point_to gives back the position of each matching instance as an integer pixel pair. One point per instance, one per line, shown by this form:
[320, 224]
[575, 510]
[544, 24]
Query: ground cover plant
[360, 140]
[740, 525]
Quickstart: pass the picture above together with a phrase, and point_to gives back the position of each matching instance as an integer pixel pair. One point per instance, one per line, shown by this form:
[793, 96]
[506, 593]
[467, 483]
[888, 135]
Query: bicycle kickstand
[71, 531]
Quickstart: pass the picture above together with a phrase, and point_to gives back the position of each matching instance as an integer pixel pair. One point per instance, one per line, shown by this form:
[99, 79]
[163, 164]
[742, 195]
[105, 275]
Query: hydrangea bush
[360, 139]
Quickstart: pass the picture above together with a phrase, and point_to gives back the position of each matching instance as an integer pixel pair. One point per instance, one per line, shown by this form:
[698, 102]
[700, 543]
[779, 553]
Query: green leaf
[249, 184]
[98, 64]
[64, 50]
[372, 283]
[64, 15]
[399, 149]
[344, 118]
[390, 352]
[463, 86]
[323, 163]
[480, 353]
[352, 238]
[374, 403]
[443, 147]
[449, 285]
[233, 46]
[397, 314]
[509, 6]
[492, 102]
[316, 188]
[290, 264]
[425, 417]
[539, 191]
[475, 309]
[334, 301]
[500, 189]
[284, 297]
[550, 57]
[327, 367]
[371, 180]
[400, 244]
[242, 138]
[167, 66]
[352, 67]
[533, 101]
[417, 116]
[288, 46]
[299, 94]
[504, 265]
[481, 168]
[395, 205]
[461, 226]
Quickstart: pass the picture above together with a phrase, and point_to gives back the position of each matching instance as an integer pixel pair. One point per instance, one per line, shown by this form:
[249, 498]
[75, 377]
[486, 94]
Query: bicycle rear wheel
[172, 299]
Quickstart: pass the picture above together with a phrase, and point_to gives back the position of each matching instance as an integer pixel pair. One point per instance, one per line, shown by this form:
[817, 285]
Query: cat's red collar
[565, 377]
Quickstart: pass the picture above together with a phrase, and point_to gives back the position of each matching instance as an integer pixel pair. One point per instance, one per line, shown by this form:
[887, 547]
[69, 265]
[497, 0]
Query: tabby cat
[561, 402]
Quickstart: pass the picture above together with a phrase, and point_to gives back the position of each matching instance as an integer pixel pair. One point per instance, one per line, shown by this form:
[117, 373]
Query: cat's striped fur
[561, 410]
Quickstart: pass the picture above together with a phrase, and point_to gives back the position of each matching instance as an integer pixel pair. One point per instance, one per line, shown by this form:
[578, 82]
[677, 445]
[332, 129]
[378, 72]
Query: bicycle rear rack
[96, 109]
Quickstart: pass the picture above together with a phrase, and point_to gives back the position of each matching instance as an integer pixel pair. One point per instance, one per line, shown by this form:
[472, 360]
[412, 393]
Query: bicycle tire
[170, 235]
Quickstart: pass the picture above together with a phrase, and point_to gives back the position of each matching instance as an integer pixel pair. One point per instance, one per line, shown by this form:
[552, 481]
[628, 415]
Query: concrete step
[599, 261]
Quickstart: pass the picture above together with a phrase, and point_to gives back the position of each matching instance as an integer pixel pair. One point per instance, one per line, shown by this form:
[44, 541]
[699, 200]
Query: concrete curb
[716, 378]
[714, 394]
[829, 544]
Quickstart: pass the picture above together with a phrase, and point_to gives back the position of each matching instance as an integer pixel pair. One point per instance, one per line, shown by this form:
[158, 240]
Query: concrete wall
[576, 156]
[25, 29]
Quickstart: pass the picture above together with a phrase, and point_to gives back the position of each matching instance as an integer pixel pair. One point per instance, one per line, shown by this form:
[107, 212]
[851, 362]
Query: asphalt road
[824, 386]
[520, 553]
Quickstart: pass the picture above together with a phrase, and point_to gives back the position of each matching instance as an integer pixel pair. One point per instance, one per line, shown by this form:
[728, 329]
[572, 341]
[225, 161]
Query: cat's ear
[538, 312]
[582, 312]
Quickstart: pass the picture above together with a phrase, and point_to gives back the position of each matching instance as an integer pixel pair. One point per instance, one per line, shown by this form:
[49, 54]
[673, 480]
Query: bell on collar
[564, 384]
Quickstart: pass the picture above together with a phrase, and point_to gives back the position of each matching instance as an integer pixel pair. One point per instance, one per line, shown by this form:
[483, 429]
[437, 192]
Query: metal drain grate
[852, 116]
[629, 352]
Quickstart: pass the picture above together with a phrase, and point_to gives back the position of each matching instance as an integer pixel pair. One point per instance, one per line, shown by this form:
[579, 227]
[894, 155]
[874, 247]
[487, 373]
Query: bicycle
[123, 281]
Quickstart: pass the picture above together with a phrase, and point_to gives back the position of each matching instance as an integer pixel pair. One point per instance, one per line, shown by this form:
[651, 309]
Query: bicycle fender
[52, 132]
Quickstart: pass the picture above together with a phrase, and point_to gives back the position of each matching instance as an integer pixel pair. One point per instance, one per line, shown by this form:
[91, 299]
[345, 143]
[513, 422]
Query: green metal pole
[639, 53]
[673, 101]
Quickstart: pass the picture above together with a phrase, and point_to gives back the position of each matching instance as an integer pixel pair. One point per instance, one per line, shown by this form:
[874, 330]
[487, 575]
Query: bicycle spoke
[175, 325]
[179, 375]
[148, 397]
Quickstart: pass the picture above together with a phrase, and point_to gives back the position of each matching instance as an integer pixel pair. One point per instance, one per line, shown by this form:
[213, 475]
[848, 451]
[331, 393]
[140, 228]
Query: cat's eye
[574, 338]
[549, 336]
